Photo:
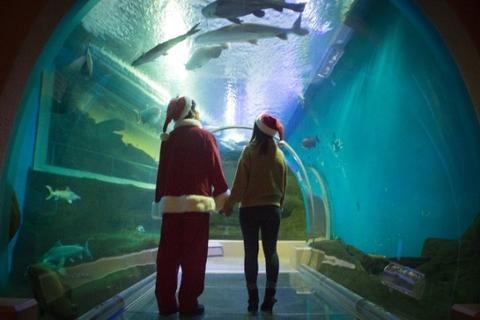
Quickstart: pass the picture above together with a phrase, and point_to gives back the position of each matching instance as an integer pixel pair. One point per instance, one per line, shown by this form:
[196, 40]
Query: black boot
[252, 301]
[269, 300]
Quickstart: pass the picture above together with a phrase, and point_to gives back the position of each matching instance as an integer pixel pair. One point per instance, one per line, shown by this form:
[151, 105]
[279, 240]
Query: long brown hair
[260, 138]
[193, 113]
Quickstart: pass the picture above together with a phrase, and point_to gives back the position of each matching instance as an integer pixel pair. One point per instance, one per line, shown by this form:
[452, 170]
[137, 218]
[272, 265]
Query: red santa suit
[190, 181]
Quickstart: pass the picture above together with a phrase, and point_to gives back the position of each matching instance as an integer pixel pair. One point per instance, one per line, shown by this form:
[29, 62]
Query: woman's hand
[226, 211]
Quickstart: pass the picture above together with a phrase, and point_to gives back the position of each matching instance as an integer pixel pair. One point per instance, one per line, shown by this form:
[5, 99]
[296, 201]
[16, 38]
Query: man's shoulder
[203, 132]
[200, 136]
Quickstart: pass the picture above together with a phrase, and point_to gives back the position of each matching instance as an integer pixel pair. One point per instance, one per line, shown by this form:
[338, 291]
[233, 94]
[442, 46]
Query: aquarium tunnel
[382, 141]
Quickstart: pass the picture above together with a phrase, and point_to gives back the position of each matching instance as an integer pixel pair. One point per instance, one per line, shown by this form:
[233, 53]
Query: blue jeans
[266, 220]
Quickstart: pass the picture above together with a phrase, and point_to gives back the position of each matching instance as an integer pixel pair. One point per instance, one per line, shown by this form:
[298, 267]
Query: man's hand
[226, 211]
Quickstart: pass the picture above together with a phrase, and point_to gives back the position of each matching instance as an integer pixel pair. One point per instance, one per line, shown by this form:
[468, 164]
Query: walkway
[225, 295]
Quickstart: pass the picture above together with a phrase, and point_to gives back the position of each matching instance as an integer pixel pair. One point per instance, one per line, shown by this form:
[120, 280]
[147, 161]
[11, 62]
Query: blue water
[409, 168]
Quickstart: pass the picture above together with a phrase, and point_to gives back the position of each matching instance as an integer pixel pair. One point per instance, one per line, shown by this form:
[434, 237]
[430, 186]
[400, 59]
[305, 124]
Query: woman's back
[265, 174]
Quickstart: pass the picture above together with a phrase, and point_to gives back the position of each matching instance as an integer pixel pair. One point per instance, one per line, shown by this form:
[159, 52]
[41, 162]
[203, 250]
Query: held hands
[227, 208]
[226, 211]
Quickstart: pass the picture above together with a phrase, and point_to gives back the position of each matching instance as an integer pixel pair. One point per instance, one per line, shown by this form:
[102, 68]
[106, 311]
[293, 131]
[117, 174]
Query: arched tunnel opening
[382, 142]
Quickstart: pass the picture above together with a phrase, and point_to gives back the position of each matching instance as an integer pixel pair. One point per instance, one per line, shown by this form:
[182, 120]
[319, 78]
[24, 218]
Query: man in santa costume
[190, 185]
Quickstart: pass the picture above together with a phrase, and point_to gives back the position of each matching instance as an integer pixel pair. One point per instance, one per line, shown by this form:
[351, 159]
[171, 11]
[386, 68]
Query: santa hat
[178, 108]
[269, 125]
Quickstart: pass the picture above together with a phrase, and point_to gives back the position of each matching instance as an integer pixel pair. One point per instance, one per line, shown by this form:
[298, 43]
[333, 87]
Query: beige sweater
[260, 179]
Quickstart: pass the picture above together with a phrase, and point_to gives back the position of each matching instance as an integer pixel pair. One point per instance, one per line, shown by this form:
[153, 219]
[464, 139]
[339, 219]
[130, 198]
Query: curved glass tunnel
[382, 138]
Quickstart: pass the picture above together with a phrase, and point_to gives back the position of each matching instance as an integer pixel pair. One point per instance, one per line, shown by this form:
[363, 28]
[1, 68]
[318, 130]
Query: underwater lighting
[173, 25]
[230, 133]
[235, 137]
[332, 56]
[130, 75]
[334, 53]
[230, 105]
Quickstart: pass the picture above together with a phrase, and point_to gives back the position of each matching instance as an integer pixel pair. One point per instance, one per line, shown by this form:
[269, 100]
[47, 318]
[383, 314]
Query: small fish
[59, 254]
[162, 48]
[111, 125]
[310, 142]
[149, 116]
[337, 145]
[248, 32]
[204, 54]
[232, 9]
[66, 78]
[67, 194]
[87, 68]
[301, 101]
[83, 64]
[140, 229]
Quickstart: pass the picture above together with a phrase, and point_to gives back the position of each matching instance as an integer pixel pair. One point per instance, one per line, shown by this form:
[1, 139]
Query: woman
[259, 186]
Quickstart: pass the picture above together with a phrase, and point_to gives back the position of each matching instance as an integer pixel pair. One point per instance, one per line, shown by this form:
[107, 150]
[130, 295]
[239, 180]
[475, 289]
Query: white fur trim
[264, 128]
[181, 123]
[187, 122]
[186, 203]
[220, 199]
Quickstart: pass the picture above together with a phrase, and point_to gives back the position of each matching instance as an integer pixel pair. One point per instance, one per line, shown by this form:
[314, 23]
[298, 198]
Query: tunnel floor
[225, 296]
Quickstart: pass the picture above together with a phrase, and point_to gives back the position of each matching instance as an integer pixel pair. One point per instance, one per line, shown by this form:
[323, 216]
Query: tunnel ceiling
[232, 88]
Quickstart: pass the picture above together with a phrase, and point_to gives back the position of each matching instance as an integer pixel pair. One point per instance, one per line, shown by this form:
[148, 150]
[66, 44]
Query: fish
[68, 76]
[59, 254]
[233, 9]
[111, 125]
[336, 145]
[162, 48]
[83, 64]
[204, 54]
[140, 229]
[310, 142]
[87, 67]
[67, 194]
[248, 32]
[149, 116]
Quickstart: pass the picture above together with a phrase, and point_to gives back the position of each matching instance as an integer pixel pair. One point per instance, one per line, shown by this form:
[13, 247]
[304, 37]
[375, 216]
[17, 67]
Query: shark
[162, 48]
[204, 54]
[232, 9]
[83, 64]
[59, 254]
[66, 194]
[248, 32]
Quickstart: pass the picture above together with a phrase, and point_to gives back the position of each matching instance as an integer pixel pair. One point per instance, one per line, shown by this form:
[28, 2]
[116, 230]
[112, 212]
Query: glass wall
[397, 142]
